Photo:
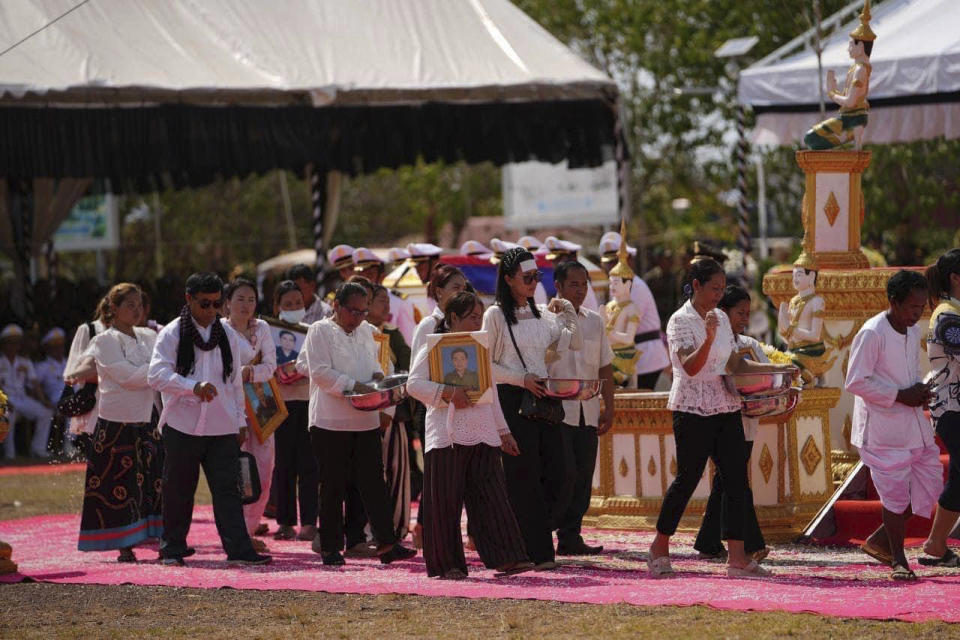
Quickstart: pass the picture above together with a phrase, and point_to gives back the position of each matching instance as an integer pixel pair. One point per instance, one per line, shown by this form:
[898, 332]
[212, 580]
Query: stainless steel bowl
[572, 388]
[759, 384]
[771, 405]
[389, 391]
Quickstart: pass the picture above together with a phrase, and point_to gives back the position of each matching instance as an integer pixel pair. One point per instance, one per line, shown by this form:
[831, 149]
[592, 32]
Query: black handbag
[544, 409]
[77, 403]
[248, 479]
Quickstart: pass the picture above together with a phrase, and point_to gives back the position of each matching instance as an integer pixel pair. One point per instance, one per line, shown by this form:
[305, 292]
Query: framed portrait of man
[288, 339]
[382, 341]
[462, 360]
[266, 409]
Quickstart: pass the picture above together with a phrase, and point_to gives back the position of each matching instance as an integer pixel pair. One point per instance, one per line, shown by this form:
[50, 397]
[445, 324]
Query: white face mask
[293, 317]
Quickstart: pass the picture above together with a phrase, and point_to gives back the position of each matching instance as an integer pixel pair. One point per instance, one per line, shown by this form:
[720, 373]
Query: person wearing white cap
[653, 358]
[305, 278]
[371, 266]
[531, 244]
[502, 246]
[424, 257]
[561, 251]
[50, 369]
[340, 258]
[475, 248]
[19, 381]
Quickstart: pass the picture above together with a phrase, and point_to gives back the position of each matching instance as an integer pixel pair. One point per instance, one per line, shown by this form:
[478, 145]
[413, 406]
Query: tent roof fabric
[187, 90]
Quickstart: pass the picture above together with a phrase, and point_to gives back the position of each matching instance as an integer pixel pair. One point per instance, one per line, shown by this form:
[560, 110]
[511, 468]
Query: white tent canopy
[914, 85]
[253, 51]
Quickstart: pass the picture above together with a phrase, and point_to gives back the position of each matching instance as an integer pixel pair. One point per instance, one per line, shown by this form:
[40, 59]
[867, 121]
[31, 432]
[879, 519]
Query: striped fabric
[396, 468]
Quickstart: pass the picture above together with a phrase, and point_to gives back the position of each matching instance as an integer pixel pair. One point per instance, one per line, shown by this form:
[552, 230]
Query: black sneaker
[333, 559]
[398, 552]
[578, 549]
[249, 558]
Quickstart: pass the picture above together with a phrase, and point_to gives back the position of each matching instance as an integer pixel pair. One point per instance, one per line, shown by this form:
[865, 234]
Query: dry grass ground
[30, 610]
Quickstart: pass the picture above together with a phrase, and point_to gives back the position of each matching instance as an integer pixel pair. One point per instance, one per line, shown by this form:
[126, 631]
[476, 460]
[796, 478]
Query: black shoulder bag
[531, 407]
[77, 403]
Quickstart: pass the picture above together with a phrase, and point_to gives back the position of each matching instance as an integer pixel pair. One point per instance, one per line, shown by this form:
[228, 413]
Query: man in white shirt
[196, 367]
[19, 381]
[890, 430]
[339, 355]
[304, 277]
[583, 421]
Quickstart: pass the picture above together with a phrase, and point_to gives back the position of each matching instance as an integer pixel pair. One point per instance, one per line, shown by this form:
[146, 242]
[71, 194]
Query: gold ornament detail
[652, 467]
[832, 208]
[863, 30]
[624, 468]
[810, 456]
[622, 269]
[766, 463]
[847, 427]
[673, 466]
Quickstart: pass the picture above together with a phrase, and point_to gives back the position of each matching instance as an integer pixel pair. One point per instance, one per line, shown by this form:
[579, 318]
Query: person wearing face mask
[338, 356]
[196, 366]
[296, 474]
[259, 364]
[463, 466]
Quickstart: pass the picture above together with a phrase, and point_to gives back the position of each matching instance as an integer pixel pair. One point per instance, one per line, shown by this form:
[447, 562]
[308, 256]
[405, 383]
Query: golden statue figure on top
[849, 124]
[621, 316]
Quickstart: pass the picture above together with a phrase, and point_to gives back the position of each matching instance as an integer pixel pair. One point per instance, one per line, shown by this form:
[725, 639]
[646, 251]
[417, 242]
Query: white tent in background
[914, 86]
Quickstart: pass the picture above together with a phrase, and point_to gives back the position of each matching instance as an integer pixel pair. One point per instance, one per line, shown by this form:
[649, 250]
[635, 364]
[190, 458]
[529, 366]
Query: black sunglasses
[530, 278]
[206, 304]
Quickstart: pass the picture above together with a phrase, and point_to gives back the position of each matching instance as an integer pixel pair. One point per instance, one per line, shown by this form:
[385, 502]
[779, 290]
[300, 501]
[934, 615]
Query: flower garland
[4, 421]
[776, 356]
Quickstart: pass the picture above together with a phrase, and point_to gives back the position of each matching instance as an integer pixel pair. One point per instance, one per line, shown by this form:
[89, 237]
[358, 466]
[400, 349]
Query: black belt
[647, 336]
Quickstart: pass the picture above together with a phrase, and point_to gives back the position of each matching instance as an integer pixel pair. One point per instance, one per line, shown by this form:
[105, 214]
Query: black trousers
[581, 445]
[296, 468]
[648, 381]
[948, 428]
[542, 461]
[470, 476]
[708, 538]
[342, 455]
[699, 438]
[184, 455]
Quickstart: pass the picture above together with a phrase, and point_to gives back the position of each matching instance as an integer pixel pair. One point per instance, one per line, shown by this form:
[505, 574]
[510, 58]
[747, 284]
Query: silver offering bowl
[572, 388]
[389, 391]
[760, 384]
[779, 404]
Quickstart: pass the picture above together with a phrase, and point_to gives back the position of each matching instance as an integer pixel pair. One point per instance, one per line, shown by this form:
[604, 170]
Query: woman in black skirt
[122, 499]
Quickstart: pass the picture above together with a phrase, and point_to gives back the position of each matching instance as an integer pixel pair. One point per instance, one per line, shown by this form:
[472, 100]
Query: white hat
[363, 258]
[556, 246]
[530, 243]
[11, 332]
[500, 247]
[610, 245]
[474, 248]
[610, 235]
[341, 256]
[396, 254]
[420, 251]
[54, 334]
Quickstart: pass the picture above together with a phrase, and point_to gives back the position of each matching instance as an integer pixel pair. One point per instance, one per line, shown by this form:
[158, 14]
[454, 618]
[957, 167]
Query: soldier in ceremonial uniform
[372, 267]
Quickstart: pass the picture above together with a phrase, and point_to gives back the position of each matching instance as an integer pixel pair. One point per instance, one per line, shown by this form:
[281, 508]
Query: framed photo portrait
[462, 360]
[265, 407]
[382, 341]
[288, 339]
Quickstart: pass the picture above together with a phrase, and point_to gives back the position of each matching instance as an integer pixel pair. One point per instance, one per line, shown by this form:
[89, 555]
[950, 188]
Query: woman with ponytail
[943, 280]
[523, 335]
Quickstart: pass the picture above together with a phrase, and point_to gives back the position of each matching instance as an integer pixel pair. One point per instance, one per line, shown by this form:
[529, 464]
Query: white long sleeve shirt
[426, 326]
[584, 364]
[260, 344]
[81, 340]
[401, 316]
[653, 353]
[50, 373]
[122, 365]
[882, 362]
[182, 410]
[335, 361]
[447, 425]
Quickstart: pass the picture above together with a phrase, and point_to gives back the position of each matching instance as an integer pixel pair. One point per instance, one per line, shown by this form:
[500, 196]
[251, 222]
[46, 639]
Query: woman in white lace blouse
[706, 416]
[539, 481]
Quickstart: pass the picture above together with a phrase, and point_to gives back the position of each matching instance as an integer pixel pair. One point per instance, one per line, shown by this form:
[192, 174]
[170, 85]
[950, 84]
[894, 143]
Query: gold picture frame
[383, 350]
[476, 372]
[270, 410]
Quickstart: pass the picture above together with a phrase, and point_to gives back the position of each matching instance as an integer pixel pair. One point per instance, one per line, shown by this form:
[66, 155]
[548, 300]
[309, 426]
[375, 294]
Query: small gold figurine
[621, 316]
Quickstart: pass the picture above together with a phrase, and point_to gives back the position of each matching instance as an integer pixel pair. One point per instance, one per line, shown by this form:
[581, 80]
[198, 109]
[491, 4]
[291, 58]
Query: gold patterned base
[843, 464]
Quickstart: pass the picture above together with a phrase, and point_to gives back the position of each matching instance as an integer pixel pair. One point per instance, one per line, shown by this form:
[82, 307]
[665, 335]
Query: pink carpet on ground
[828, 581]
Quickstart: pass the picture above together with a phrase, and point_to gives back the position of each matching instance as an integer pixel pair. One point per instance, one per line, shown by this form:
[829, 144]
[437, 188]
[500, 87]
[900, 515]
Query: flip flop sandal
[520, 567]
[877, 554]
[901, 572]
[760, 555]
[948, 559]
[659, 567]
[752, 570]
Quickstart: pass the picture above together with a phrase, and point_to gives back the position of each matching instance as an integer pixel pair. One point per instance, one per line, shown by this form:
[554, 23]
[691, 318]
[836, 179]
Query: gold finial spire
[806, 261]
[863, 31]
[623, 270]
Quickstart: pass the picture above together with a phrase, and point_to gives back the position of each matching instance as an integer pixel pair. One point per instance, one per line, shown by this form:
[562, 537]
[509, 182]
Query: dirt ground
[34, 610]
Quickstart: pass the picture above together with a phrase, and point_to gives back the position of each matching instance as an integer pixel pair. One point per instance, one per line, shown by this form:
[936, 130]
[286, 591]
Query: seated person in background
[19, 381]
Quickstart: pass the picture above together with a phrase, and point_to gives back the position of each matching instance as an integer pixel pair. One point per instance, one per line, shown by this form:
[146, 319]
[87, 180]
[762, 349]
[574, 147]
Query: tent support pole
[20, 206]
[740, 160]
[318, 199]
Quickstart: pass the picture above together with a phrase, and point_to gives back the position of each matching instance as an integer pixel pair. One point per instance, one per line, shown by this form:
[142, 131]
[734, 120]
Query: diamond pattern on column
[624, 468]
[831, 209]
[810, 455]
[766, 463]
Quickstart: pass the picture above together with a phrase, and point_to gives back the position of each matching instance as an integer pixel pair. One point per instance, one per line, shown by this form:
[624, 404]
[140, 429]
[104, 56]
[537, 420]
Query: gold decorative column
[6, 564]
[833, 207]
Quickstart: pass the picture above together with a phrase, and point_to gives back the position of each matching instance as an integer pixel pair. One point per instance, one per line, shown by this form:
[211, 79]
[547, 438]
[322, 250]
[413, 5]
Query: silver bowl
[779, 404]
[572, 388]
[759, 384]
[390, 391]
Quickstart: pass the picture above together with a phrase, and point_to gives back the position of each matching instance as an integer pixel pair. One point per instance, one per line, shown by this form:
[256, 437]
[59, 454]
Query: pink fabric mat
[828, 581]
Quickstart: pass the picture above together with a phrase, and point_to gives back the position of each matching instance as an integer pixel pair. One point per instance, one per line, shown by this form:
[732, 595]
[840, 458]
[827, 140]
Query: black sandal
[901, 572]
[948, 559]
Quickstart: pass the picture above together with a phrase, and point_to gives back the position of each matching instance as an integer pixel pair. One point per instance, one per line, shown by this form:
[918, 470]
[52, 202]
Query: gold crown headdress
[863, 31]
[623, 270]
[807, 262]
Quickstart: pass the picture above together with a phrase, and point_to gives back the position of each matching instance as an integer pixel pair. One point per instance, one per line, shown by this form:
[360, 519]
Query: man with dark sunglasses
[196, 368]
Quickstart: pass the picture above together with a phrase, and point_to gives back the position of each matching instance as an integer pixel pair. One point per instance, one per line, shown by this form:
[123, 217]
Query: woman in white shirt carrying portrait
[122, 492]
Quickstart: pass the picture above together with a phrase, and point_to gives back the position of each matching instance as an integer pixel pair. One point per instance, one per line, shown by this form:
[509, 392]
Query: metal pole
[740, 159]
[318, 197]
[20, 206]
[158, 242]
[819, 49]
[287, 210]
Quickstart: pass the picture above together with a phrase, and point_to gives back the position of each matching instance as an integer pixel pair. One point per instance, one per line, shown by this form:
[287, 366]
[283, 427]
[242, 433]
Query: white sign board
[90, 225]
[537, 194]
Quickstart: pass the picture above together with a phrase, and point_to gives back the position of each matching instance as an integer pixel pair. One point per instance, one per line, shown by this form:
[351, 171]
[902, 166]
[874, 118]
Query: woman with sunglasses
[522, 336]
[339, 357]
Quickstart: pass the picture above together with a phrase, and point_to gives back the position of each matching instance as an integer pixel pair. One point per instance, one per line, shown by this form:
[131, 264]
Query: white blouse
[948, 398]
[533, 337]
[81, 340]
[335, 361]
[426, 326]
[447, 425]
[261, 343]
[703, 394]
[122, 365]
